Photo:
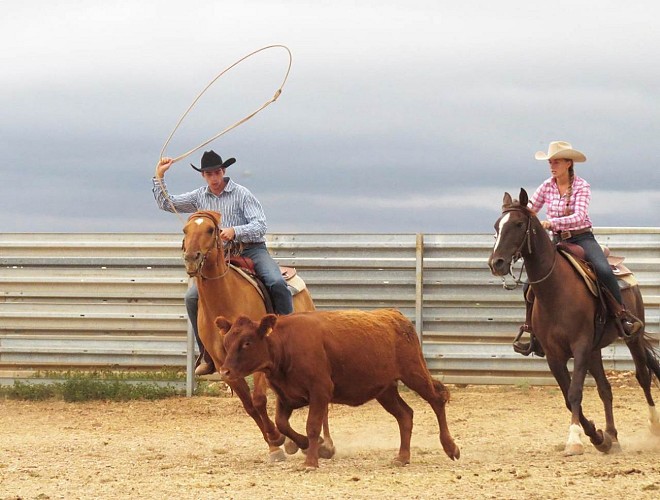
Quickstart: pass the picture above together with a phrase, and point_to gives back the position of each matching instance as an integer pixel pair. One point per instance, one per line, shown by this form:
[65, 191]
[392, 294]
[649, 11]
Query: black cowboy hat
[212, 161]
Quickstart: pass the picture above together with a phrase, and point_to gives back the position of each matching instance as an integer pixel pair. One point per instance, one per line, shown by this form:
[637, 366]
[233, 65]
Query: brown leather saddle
[575, 255]
[245, 266]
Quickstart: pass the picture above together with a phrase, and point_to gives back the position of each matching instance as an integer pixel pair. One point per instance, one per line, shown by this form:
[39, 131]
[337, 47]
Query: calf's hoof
[452, 450]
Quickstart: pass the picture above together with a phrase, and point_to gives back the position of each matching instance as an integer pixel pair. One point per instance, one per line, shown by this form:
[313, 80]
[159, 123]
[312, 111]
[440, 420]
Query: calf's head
[245, 344]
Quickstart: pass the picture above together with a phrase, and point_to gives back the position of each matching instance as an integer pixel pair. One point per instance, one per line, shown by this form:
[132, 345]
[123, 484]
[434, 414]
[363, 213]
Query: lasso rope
[278, 92]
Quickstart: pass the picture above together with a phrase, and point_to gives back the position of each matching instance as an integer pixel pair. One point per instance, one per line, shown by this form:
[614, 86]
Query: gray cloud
[395, 118]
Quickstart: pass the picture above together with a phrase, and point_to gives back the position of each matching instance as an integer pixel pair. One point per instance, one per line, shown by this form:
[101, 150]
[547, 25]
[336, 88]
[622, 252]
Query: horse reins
[518, 254]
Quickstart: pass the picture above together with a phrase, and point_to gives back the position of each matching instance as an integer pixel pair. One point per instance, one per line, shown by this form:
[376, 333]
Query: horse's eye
[210, 230]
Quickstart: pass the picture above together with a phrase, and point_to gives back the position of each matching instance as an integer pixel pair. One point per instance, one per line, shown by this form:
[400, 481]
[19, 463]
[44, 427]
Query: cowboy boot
[204, 364]
[628, 323]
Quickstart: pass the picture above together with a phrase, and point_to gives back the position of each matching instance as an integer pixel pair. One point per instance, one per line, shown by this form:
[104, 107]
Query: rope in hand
[277, 94]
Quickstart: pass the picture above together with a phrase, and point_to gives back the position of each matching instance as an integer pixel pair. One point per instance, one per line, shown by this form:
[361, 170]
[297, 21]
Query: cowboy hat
[561, 149]
[212, 161]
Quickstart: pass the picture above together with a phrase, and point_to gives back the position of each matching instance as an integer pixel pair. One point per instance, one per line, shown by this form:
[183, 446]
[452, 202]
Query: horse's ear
[223, 324]
[506, 201]
[524, 199]
[266, 325]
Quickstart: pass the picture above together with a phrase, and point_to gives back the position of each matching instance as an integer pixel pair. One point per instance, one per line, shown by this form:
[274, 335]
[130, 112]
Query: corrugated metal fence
[115, 300]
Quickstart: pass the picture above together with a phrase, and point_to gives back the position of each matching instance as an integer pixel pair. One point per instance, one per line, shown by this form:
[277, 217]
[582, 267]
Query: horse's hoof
[654, 427]
[326, 452]
[290, 447]
[573, 449]
[606, 443]
[400, 462]
[276, 456]
[616, 448]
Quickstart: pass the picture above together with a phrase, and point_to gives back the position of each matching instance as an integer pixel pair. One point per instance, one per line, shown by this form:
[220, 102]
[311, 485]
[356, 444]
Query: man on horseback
[243, 222]
[567, 198]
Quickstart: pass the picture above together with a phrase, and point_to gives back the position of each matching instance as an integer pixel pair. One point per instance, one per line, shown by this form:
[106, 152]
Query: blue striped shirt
[237, 205]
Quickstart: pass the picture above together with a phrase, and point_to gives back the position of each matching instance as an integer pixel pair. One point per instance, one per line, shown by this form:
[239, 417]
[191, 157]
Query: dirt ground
[511, 441]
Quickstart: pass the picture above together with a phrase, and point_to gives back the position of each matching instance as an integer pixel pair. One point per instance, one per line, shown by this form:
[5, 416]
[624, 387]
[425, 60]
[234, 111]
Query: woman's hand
[546, 225]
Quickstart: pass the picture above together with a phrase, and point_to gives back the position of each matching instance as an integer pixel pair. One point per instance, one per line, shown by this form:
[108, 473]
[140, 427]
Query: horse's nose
[192, 256]
[497, 266]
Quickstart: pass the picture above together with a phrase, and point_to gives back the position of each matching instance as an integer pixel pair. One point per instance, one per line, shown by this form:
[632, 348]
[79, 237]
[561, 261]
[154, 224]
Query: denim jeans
[594, 254]
[268, 271]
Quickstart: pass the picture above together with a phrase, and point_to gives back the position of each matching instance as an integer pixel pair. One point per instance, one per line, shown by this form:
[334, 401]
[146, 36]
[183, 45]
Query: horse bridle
[217, 243]
[517, 255]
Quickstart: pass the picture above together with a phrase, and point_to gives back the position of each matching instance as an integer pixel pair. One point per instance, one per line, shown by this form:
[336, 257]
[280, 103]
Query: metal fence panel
[96, 300]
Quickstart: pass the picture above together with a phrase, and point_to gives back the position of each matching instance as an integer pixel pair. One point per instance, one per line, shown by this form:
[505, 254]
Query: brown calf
[347, 357]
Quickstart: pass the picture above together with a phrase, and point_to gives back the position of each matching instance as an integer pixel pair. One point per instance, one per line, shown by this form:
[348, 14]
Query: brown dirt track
[511, 441]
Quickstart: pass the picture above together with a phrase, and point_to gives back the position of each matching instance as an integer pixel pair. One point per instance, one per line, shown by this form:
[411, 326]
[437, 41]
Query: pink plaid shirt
[548, 194]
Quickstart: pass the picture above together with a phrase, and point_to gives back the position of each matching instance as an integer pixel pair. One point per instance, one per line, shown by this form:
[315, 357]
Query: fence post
[419, 285]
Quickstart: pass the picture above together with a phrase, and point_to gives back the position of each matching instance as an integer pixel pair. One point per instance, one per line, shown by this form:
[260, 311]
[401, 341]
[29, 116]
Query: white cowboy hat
[561, 149]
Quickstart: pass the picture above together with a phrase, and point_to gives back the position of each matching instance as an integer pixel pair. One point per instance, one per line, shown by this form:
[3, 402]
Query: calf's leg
[396, 406]
[282, 415]
[436, 394]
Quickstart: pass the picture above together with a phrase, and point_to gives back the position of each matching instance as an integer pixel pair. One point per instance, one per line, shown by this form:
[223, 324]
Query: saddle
[606, 303]
[245, 267]
[575, 256]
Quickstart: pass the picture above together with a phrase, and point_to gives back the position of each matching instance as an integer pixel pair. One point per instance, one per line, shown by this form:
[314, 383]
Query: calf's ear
[266, 325]
[223, 324]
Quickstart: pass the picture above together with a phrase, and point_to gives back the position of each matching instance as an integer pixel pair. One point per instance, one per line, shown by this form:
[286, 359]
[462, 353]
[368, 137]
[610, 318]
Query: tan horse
[223, 291]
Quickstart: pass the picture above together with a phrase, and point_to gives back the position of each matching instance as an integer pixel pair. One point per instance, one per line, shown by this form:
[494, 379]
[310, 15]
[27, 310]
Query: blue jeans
[594, 254]
[267, 270]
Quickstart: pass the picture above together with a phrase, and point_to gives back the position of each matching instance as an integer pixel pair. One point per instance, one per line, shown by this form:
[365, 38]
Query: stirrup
[629, 329]
[524, 348]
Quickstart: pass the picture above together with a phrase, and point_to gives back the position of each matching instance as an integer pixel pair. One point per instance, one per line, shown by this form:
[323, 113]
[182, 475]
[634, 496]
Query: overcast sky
[397, 116]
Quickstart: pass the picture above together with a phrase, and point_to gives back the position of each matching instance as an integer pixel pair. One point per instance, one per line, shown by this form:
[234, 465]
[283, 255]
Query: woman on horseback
[567, 197]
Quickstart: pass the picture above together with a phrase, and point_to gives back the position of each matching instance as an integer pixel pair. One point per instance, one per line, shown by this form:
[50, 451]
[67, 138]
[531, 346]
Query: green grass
[108, 385]
[96, 385]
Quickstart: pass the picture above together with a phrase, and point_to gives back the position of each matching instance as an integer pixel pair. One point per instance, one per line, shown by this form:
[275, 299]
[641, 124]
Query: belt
[564, 235]
[252, 245]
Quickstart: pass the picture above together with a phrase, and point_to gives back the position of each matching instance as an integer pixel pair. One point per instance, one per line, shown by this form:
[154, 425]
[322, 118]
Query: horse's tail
[653, 360]
[652, 354]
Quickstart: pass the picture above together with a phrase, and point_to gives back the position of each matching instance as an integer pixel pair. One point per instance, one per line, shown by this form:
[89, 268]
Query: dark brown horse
[563, 322]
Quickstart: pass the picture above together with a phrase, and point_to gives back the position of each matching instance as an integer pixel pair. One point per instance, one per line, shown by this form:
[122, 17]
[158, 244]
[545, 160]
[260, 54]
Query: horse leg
[242, 390]
[397, 407]
[610, 441]
[645, 363]
[560, 371]
[259, 400]
[575, 390]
